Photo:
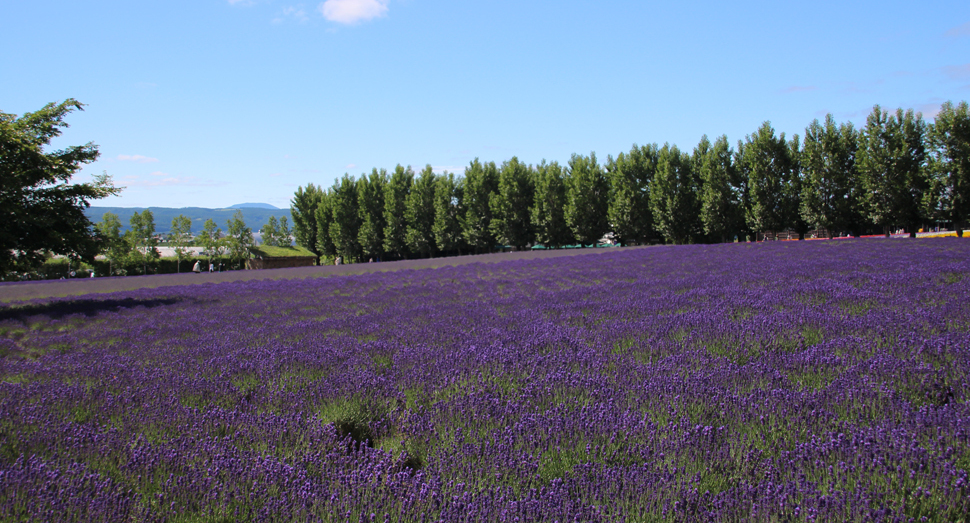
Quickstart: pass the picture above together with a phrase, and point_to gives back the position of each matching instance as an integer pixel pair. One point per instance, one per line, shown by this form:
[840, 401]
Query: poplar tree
[481, 182]
[370, 191]
[324, 218]
[395, 204]
[346, 218]
[303, 209]
[511, 216]
[447, 212]
[891, 162]
[772, 206]
[673, 197]
[719, 192]
[949, 137]
[629, 179]
[829, 198]
[548, 208]
[420, 213]
[587, 199]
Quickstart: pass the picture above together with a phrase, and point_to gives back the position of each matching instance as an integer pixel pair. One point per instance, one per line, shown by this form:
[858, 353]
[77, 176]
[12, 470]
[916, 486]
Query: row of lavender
[788, 381]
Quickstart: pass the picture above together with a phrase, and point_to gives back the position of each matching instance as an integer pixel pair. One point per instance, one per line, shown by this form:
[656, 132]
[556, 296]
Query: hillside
[254, 217]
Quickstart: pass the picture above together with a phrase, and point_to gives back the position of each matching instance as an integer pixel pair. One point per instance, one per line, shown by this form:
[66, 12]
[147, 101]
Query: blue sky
[215, 102]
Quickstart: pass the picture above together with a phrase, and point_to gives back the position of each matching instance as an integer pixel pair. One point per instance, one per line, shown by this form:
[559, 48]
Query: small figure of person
[337, 261]
[196, 268]
[212, 267]
[92, 274]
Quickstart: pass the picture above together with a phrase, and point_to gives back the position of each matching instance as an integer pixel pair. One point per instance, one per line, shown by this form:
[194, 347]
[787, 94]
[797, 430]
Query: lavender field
[785, 381]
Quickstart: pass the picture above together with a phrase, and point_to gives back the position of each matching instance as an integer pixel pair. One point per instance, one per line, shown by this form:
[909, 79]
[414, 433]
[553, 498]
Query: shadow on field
[57, 310]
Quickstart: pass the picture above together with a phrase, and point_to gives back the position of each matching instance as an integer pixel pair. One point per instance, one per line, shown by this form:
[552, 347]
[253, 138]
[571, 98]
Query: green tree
[587, 199]
[239, 239]
[179, 237]
[345, 226]
[420, 213]
[891, 163]
[719, 192]
[269, 232]
[211, 239]
[283, 234]
[324, 218]
[395, 205]
[481, 182]
[549, 207]
[673, 196]
[42, 211]
[114, 246]
[829, 198]
[772, 185]
[143, 246]
[511, 215]
[629, 178]
[370, 192]
[303, 209]
[447, 212]
[949, 138]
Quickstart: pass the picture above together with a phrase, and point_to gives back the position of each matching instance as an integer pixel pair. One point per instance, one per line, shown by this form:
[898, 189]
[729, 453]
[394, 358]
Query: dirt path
[19, 291]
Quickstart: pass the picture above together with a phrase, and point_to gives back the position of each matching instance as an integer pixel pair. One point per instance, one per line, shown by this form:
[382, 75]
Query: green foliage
[395, 204]
[949, 138]
[239, 239]
[719, 191]
[511, 219]
[43, 211]
[892, 168]
[370, 208]
[324, 218]
[772, 175]
[548, 208]
[447, 212]
[419, 212]
[270, 251]
[673, 197]
[115, 248]
[587, 204]
[211, 239]
[303, 209]
[141, 240]
[629, 199]
[829, 197]
[345, 225]
[179, 238]
[481, 182]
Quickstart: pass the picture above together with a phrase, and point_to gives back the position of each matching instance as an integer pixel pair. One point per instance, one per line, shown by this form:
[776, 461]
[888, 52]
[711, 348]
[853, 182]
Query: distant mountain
[252, 206]
[255, 217]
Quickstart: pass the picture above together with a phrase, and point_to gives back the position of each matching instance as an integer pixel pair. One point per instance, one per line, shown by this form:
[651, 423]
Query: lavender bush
[808, 381]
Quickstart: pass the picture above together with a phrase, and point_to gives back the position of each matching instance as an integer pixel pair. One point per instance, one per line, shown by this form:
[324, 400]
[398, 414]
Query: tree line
[898, 171]
[137, 249]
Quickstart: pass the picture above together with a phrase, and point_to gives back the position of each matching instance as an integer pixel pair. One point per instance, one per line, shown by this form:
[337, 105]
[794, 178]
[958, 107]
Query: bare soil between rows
[32, 290]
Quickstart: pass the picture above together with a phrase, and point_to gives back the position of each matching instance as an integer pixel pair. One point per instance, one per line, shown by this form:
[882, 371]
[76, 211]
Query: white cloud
[136, 158]
[274, 175]
[294, 12]
[163, 179]
[352, 11]
[350, 166]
